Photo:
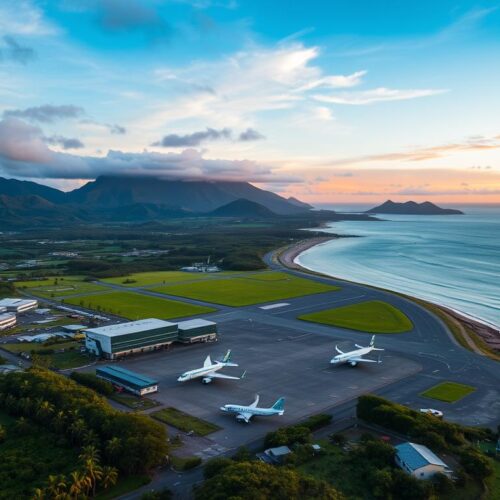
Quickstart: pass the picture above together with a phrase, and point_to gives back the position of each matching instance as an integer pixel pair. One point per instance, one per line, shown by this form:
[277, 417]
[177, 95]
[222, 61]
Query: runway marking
[274, 306]
[321, 304]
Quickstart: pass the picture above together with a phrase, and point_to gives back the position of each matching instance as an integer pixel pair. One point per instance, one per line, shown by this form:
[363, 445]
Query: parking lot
[278, 362]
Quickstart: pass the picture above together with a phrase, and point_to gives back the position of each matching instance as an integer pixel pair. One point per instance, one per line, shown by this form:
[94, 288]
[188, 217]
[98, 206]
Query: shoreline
[487, 334]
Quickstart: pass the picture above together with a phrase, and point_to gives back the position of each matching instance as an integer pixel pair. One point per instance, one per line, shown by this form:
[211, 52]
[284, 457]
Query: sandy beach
[487, 334]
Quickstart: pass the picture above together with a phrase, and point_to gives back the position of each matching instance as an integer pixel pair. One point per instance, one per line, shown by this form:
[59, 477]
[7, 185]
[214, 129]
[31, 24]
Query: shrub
[182, 464]
[286, 436]
[215, 466]
[316, 422]
[475, 464]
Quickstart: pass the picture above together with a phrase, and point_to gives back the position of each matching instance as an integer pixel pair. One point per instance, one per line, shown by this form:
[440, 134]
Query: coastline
[471, 333]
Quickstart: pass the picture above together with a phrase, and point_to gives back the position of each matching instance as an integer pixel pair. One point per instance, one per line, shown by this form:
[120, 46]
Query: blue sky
[327, 101]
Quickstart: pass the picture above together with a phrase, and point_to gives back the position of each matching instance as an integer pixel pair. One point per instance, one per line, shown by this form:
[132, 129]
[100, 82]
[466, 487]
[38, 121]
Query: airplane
[245, 413]
[355, 357]
[209, 370]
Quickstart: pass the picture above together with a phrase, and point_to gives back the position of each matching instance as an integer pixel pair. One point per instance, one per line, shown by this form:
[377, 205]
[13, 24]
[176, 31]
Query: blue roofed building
[419, 461]
[130, 381]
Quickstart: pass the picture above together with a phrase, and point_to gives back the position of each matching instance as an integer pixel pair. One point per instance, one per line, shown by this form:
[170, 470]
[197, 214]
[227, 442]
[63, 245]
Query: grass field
[162, 278]
[254, 288]
[133, 402]
[59, 286]
[449, 392]
[184, 422]
[373, 316]
[136, 306]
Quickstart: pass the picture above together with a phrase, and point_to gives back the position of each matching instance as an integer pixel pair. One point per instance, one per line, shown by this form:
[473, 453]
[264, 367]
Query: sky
[334, 101]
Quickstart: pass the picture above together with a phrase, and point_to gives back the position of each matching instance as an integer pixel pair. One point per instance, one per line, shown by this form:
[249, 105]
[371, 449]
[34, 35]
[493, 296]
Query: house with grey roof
[419, 461]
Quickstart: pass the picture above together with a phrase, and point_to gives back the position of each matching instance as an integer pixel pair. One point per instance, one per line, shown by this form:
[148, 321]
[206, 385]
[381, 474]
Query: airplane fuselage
[200, 372]
[346, 356]
[251, 410]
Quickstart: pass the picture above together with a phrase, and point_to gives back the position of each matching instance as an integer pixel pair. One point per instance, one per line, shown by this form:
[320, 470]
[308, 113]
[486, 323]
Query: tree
[109, 476]
[476, 464]
[3, 434]
[260, 481]
[215, 466]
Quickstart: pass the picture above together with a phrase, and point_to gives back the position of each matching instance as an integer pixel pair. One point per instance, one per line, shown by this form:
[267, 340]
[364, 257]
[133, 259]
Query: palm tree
[56, 486]
[113, 448]
[89, 452]
[38, 494]
[109, 476]
[77, 485]
[94, 472]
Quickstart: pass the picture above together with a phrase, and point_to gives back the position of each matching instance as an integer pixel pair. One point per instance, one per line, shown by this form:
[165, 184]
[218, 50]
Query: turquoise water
[449, 260]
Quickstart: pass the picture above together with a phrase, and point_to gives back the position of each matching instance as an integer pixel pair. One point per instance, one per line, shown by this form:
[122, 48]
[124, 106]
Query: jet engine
[353, 363]
[206, 380]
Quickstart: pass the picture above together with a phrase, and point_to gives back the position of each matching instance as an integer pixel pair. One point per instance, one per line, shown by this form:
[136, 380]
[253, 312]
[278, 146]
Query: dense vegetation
[437, 434]
[114, 442]
[260, 481]
[93, 382]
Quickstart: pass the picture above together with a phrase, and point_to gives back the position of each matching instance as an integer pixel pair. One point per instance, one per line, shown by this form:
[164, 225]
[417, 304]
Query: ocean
[451, 260]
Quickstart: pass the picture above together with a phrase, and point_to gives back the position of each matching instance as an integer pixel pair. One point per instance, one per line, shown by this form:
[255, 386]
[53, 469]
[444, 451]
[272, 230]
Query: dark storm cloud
[46, 113]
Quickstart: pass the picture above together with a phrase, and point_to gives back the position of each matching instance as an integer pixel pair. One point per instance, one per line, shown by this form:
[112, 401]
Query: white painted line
[274, 306]
[330, 302]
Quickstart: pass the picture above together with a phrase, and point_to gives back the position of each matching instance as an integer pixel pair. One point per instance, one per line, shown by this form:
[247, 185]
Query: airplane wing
[359, 346]
[338, 350]
[208, 362]
[245, 416]
[220, 375]
[362, 360]
[256, 402]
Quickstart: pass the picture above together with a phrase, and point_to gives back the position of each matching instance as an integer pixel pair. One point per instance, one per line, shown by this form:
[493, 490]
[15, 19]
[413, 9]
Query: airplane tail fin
[243, 376]
[372, 345]
[372, 342]
[279, 405]
[227, 357]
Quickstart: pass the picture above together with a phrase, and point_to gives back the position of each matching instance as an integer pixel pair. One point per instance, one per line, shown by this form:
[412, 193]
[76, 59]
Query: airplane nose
[223, 408]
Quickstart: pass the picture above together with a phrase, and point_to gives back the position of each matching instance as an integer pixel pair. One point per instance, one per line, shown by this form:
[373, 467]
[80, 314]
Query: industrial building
[197, 330]
[18, 305]
[7, 320]
[123, 339]
[128, 380]
[419, 461]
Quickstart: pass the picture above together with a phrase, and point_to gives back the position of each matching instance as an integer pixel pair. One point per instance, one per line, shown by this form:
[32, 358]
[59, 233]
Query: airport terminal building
[123, 339]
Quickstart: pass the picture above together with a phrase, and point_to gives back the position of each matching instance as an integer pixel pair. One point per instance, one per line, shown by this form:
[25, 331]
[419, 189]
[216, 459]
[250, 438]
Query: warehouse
[18, 305]
[7, 320]
[123, 339]
[128, 380]
[197, 330]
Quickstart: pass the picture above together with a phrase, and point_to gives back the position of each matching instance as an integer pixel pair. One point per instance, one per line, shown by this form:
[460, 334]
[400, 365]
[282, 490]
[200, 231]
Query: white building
[7, 320]
[419, 461]
[19, 305]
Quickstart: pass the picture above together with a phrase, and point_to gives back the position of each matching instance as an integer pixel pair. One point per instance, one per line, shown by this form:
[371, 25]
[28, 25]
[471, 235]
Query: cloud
[250, 135]
[64, 142]
[117, 129]
[194, 139]
[476, 143]
[16, 52]
[24, 153]
[335, 81]
[46, 113]
[381, 94]
[24, 17]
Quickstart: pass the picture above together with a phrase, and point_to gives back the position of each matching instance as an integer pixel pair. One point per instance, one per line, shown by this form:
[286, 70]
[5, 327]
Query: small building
[419, 461]
[19, 305]
[114, 341]
[274, 455]
[197, 330]
[74, 328]
[7, 320]
[128, 380]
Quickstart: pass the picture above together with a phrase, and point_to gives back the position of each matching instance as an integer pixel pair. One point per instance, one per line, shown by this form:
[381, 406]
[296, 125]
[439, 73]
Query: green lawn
[449, 392]
[373, 316]
[161, 277]
[184, 422]
[59, 286]
[134, 402]
[254, 288]
[136, 306]
[36, 346]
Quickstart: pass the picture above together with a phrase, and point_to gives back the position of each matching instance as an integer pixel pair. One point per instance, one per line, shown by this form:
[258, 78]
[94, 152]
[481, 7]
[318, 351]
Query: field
[248, 290]
[185, 422]
[133, 402]
[135, 306]
[374, 317]
[59, 286]
[449, 392]
[161, 278]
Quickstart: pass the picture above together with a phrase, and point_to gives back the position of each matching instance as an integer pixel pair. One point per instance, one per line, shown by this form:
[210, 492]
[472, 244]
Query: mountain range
[108, 198]
[412, 208]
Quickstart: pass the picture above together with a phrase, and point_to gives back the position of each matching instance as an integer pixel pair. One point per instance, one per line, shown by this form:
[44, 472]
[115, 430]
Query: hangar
[128, 380]
[7, 320]
[114, 341]
[197, 330]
